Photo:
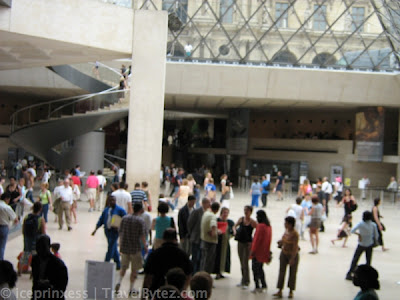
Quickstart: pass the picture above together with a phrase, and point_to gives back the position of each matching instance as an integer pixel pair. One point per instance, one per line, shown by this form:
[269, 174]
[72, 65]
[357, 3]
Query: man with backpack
[265, 188]
[34, 225]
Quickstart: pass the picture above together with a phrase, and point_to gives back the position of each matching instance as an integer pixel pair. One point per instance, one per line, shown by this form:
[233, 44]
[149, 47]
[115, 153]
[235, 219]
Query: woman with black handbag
[377, 220]
[244, 235]
[349, 202]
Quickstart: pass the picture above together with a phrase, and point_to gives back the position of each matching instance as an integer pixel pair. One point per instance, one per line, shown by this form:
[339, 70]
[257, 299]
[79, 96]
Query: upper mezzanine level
[106, 34]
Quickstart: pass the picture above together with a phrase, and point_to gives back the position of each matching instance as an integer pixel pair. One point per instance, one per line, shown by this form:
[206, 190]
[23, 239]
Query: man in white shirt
[123, 197]
[327, 189]
[6, 216]
[67, 197]
[102, 184]
[363, 184]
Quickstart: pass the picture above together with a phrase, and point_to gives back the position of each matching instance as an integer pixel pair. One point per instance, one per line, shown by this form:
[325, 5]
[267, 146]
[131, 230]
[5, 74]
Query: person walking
[67, 197]
[108, 219]
[161, 223]
[366, 277]
[260, 251]
[102, 187]
[244, 230]
[123, 197]
[377, 220]
[6, 216]
[132, 232]
[92, 186]
[289, 256]
[45, 199]
[316, 214]
[279, 183]
[266, 186]
[367, 232]
[255, 192]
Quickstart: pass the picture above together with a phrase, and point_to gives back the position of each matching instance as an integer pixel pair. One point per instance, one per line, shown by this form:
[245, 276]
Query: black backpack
[267, 187]
[31, 225]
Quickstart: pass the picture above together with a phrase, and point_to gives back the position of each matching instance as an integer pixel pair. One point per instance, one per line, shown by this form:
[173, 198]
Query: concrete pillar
[146, 106]
[398, 152]
[87, 151]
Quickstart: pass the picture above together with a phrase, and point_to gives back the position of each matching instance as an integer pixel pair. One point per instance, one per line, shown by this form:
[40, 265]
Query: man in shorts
[131, 234]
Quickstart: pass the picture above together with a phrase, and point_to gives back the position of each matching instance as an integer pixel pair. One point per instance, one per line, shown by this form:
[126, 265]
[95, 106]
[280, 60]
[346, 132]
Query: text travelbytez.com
[104, 292]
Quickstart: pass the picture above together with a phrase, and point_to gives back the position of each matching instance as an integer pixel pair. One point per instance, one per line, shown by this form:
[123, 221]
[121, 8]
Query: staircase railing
[54, 109]
[100, 71]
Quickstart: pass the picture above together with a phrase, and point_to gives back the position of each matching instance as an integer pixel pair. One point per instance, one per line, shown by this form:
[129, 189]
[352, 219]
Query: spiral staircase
[39, 128]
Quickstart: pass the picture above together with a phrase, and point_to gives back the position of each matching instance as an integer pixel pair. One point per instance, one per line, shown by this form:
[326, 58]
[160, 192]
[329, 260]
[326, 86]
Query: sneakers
[69, 228]
[245, 287]
[239, 285]
[258, 290]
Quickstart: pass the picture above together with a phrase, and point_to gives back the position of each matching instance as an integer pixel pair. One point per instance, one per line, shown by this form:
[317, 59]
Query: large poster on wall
[369, 134]
[238, 132]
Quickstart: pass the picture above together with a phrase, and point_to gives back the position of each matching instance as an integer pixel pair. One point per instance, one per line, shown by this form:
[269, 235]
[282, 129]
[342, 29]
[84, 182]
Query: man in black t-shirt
[160, 261]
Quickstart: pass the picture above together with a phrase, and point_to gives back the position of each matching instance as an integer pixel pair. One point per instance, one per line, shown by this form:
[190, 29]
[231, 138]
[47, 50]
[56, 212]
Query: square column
[146, 105]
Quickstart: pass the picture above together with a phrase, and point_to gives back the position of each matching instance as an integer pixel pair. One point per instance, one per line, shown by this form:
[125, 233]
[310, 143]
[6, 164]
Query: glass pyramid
[333, 34]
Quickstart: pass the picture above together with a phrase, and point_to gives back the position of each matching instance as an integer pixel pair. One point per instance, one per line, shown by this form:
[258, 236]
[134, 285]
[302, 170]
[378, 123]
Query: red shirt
[76, 180]
[261, 245]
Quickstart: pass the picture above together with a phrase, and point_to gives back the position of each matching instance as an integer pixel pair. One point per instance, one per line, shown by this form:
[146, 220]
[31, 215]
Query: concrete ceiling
[19, 51]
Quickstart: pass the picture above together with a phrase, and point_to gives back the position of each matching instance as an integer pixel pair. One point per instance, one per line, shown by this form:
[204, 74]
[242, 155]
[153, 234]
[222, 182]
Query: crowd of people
[185, 252]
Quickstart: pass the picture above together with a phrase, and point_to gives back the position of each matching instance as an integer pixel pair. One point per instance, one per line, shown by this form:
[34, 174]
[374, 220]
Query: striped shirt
[138, 196]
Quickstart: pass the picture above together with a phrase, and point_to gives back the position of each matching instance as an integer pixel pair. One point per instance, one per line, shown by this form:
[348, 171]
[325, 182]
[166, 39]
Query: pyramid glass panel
[340, 34]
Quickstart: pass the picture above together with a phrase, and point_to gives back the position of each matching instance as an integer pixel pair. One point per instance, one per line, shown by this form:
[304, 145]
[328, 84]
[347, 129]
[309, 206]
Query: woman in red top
[260, 250]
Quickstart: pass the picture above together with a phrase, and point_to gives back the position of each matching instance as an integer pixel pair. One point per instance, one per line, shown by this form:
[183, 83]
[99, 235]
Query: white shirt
[188, 48]
[32, 171]
[66, 194]
[46, 177]
[122, 198]
[326, 187]
[339, 186]
[6, 214]
[146, 216]
[362, 184]
[56, 191]
[297, 210]
[102, 181]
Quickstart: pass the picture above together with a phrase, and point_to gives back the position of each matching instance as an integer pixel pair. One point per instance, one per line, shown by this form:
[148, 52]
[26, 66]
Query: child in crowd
[162, 198]
[55, 247]
[344, 230]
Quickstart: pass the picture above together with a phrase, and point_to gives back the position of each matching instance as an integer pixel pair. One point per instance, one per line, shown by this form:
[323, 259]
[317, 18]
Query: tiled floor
[319, 276]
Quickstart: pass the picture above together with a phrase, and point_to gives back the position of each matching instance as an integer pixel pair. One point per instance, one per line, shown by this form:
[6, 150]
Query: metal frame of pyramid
[256, 32]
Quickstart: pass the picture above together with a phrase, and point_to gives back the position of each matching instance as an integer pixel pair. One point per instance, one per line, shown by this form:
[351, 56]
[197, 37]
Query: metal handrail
[49, 103]
[114, 156]
[88, 96]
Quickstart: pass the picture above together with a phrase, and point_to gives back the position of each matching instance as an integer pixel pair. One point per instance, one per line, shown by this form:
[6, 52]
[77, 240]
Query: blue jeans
[254, 200]
[3, 240]
[29, 195]
[45, 211]
[112, 251]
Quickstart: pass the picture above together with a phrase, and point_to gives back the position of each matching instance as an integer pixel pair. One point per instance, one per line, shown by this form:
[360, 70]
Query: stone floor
[319, 276]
